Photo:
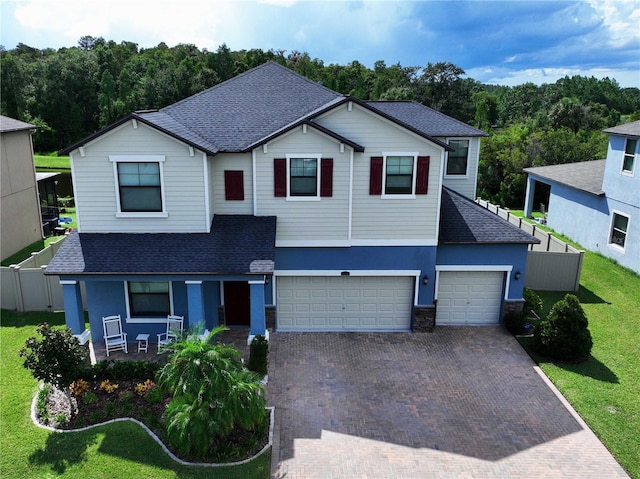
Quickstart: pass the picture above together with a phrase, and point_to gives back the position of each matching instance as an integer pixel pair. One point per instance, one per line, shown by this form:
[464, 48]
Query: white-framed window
[458, 160]
[148, 299]
[303, 177]
[619, 228]
[399, 174]
[629, 156]
[139, 184]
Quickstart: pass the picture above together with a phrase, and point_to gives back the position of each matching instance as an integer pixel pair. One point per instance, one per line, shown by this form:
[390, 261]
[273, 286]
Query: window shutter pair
[376, 175]
[280, 177]
[234, 185]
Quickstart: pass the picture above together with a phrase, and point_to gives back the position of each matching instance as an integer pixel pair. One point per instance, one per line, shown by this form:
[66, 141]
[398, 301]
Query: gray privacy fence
[24, 287]
[552, 265]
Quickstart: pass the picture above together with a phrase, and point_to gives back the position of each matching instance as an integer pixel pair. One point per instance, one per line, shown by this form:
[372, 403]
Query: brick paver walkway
[460, 402]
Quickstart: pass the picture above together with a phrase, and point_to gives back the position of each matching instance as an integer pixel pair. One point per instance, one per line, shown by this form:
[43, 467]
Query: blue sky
[501, 42]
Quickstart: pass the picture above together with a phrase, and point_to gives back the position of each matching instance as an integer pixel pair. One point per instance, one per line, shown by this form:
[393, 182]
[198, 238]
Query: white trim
[615, 246]
[407, 196]
[443, 157]
[207, 193]
[75, 190]
[350, 220]
[635, 159]
[301, 156]
[221, 292]
[507, 268]
[466, 174]
[193, 282]
[352, 272]
[312, 243]
[129, 319]
[191, 152]
[134, 123]
[68, 281]
[254, 173]
[395, 242]
[260, 281]
[115, 159]
[82, 152]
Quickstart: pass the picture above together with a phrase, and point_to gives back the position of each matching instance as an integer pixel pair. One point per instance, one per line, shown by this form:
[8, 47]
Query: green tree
[212, 393]
[570, 113]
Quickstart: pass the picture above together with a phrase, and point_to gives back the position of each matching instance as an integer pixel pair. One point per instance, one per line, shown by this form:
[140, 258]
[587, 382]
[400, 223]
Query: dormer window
[458, 160]
[629, 157]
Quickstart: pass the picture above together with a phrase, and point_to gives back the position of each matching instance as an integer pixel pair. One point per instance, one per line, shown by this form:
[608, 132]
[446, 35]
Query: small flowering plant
[79, 387]
[143, 388]
[108, 387]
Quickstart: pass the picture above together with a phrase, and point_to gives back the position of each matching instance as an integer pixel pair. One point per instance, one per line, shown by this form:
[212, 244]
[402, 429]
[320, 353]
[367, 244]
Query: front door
[237, 306]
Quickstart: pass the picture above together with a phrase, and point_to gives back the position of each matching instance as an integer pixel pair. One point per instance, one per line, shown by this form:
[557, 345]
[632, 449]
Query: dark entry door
[237, 307]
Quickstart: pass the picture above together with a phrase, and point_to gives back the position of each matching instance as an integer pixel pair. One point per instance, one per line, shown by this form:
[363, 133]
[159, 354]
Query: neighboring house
[20, 221]
[597, 203]
[270, 200]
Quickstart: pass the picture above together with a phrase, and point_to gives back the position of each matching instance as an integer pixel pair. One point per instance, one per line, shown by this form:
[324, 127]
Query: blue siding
[489, 255]
[421, 258]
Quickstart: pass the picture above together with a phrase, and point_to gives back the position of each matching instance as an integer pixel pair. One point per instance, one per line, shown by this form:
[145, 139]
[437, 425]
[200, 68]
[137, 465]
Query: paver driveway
[459, 402]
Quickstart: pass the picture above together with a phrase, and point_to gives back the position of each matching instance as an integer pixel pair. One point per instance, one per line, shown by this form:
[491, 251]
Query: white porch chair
[175, 328]
[114, 337]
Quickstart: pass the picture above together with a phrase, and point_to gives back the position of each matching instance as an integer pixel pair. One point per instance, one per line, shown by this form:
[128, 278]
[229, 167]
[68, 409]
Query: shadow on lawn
[14, 319]
[593, 368]
[64, 450]
[587, 296]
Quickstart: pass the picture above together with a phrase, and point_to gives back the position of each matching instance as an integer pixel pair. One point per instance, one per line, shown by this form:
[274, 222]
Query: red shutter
[234, 185]
[279, 177]
[326, 177]
[422, 178]
[375, 176]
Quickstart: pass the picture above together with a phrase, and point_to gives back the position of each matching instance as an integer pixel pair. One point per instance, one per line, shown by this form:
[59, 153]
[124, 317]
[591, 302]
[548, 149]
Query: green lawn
[112, 451]
[52, 162]
[605, 390]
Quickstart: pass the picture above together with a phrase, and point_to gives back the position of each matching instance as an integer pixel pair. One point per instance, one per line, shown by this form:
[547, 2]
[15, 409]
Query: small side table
[143, 342]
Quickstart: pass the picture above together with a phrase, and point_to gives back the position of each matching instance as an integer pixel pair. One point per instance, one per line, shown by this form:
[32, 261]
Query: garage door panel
[469, 297]
[344, 303]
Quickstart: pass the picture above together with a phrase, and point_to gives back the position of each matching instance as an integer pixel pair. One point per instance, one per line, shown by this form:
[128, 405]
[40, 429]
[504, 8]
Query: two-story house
[597, 203]
[272, 200]
[20, 217]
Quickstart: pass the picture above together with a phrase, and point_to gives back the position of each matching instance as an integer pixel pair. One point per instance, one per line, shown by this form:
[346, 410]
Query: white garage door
[344, 303]
[469, 297]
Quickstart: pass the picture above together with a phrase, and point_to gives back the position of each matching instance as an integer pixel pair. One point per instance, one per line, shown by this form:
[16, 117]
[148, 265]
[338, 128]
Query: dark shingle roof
[237, 244]
[584, 175]
[8, 124]
[425, 119]
[464, 222]
[628, 129]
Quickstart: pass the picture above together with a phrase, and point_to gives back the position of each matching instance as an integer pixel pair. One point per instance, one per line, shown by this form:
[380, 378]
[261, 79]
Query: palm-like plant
[211, 394]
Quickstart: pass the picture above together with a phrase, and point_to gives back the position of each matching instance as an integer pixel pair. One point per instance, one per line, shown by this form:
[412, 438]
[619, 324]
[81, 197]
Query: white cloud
[621, 19]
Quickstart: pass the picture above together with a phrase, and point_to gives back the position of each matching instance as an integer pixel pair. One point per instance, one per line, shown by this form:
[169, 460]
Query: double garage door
[344, 303]
[469, 297]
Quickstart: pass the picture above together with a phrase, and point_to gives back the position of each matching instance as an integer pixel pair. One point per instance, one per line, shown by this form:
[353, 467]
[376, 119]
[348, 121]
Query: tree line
[72, 92]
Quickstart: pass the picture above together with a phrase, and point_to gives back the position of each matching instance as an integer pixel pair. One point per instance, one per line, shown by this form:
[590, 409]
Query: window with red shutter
[234, 185]
[326, 177]
[375, 176]
[422, 178]
[279, 177]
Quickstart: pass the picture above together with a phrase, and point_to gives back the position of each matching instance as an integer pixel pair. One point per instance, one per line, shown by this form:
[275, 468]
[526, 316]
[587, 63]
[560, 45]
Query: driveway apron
[459, 402]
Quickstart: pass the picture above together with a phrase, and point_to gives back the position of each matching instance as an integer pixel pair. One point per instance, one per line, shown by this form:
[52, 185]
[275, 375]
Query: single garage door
[469, 297]
[344, 303]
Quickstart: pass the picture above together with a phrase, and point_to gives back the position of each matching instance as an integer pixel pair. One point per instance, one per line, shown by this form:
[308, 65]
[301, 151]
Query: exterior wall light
[516, 276]
[425, 279]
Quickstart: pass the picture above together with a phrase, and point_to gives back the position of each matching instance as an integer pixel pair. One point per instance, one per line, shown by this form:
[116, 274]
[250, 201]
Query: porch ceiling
[237, 244]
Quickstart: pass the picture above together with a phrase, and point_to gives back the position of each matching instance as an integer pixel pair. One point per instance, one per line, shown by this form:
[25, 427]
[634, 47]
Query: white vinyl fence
[24, 287]
[552, 265]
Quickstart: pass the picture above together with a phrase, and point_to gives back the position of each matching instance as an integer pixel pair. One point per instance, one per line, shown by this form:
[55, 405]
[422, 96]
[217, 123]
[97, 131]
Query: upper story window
[149, 298]
[399, 175]
[303, 177]
[629, 157]
[619, 227]
[458, 160]
[139, 184]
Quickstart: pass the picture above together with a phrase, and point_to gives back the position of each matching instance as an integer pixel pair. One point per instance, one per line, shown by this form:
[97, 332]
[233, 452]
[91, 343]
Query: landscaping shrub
[532, 301]
[56, 359]
[259, 355]
[120, 370]
[565, 335]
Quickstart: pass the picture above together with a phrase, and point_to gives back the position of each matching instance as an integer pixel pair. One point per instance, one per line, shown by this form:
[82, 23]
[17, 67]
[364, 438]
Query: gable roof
[464, 222]
[237, 244]
[628, 129]
[8, 124]
[584, 175]
[425, 119]
[260, 104]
